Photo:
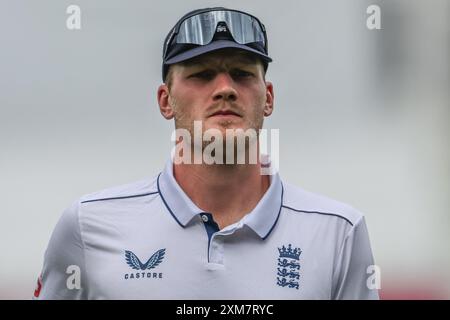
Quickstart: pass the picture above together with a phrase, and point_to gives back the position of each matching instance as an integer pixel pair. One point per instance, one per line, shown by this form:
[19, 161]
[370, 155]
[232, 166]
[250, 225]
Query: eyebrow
[203, 63]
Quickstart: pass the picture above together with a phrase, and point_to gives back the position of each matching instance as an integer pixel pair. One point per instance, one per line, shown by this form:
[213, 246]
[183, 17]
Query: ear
[165, 106]
[268, 108]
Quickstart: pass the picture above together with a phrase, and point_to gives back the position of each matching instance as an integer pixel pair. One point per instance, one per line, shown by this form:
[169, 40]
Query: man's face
[224, 89]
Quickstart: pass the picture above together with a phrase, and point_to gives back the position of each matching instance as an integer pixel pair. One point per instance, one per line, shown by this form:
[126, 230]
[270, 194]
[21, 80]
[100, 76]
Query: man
[210, 229]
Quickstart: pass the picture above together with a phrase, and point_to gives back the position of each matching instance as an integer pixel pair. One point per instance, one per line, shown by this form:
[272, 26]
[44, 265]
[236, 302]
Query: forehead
[223, 58]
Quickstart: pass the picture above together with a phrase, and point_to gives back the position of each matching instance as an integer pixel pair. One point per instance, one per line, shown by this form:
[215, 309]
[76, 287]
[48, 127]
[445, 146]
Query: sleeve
[64, 274]
[351, 279]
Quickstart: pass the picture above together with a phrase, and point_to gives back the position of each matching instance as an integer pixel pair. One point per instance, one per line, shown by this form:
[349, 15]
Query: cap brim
[213, 46]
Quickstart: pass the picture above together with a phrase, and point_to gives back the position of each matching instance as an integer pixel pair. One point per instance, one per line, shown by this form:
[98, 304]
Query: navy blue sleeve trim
[124, 197]
[325, 213]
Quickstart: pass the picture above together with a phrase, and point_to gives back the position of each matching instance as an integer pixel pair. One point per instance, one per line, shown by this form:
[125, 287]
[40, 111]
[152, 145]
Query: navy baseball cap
[210, 29]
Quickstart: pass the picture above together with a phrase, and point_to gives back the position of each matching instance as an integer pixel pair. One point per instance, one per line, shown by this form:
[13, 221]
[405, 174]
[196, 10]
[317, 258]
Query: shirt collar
[261, 219]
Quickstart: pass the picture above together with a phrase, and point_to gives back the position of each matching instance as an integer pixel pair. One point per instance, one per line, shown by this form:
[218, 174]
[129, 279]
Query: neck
[228, 192]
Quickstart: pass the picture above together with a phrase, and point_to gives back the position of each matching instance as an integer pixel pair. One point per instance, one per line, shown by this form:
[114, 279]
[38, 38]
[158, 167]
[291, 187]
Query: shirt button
[205, 218]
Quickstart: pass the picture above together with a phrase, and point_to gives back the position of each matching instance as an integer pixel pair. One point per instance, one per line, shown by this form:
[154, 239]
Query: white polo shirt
[148, 240]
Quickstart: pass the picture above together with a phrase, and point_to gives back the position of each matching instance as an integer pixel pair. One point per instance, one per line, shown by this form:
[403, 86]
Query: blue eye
[206, 75]
[241, 74]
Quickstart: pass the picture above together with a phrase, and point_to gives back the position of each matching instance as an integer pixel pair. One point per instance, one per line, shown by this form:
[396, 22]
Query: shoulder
[137, 189]
[95, 211]
[70, 221]
[298, 200]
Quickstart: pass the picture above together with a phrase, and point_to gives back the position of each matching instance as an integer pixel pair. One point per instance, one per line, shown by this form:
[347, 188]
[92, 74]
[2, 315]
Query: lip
[225, 113]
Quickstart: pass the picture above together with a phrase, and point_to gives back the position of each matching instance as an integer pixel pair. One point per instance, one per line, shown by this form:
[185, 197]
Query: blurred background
[363, 118]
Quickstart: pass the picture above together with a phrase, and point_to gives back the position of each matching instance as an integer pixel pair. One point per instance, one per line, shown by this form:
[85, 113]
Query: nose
[224, 87]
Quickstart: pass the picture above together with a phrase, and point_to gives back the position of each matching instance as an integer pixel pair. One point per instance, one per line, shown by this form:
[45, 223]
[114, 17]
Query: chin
[226, 120]
[225, 125]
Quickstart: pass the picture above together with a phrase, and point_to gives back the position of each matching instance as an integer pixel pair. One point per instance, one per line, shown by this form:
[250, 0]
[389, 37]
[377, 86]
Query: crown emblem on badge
[289, 252]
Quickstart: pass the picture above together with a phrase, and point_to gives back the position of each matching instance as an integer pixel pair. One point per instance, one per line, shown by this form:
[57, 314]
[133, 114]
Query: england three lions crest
[288, 274]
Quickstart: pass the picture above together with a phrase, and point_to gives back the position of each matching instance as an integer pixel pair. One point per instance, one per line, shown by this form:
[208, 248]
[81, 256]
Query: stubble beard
[255, 123]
